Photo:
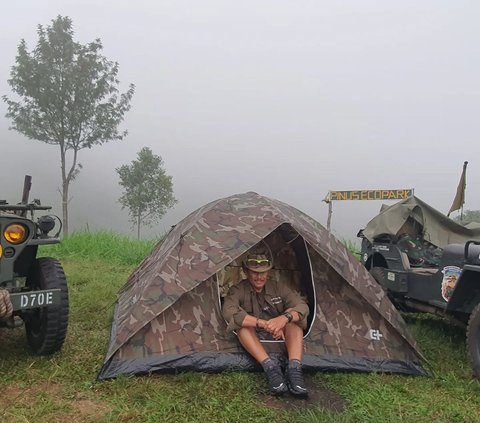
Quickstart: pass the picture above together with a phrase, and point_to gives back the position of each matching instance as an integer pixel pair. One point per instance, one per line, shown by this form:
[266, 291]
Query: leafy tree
[148, 192]
[68, 97]
[469, 216]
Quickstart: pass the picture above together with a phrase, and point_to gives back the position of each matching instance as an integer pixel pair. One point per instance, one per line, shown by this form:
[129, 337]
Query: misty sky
[289, 99]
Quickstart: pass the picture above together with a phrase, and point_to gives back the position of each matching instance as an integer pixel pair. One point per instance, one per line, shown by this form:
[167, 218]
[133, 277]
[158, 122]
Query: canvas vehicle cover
[438, 229]
[168, 315]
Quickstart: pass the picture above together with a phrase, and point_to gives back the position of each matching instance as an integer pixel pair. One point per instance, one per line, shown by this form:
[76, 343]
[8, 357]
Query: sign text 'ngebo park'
[377, 194]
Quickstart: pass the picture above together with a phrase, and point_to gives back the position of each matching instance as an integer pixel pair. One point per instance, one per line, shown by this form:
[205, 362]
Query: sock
[267, 363]
[294, 363]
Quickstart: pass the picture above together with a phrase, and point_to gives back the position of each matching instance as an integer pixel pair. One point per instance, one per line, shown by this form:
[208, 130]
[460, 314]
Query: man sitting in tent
[258, 308]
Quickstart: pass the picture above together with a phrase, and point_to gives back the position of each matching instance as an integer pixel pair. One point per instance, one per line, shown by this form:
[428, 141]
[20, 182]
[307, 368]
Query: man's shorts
[263, 335]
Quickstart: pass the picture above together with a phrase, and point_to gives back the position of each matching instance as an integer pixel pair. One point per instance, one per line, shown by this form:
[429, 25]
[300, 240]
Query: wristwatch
[288, 316]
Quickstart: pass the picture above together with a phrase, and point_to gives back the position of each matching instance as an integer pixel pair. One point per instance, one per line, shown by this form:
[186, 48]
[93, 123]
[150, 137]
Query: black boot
[295, 381]
[276, 381]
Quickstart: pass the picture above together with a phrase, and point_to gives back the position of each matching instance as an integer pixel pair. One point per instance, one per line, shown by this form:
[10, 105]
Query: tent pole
[329, 220]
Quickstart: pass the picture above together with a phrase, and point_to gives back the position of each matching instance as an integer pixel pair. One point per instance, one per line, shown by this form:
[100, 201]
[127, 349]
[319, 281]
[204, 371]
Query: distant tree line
[468, 216]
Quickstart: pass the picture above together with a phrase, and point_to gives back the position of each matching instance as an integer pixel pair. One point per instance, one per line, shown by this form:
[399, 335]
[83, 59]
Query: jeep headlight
[1, 251]
[15, 233]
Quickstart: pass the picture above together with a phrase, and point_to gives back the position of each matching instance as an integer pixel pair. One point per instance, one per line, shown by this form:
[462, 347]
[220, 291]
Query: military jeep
[33, 291]
[450, 288]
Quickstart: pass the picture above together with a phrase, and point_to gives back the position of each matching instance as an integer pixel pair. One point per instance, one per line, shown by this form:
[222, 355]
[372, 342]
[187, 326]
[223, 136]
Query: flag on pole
[460, 195]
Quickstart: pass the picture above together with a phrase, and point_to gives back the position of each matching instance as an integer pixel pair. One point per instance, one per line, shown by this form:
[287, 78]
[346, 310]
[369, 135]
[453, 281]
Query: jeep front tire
[473, 341]
[380, 275]
[46, 327]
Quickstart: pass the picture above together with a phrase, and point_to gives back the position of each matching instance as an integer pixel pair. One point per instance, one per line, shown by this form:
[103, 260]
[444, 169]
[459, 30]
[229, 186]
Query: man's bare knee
[293, 329]
[242, 332]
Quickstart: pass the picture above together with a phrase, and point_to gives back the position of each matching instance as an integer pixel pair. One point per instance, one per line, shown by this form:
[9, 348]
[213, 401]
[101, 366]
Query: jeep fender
[466, 294]
[375, 260]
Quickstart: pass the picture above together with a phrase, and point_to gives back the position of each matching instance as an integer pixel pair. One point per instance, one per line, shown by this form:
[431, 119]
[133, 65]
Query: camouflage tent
[168, 316]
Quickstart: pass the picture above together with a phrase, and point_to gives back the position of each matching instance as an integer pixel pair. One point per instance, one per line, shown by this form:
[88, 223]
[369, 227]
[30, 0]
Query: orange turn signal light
[15, 233]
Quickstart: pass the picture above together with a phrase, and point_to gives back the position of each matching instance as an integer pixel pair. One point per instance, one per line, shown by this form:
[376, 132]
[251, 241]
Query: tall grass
[102, 245]
[352, 246]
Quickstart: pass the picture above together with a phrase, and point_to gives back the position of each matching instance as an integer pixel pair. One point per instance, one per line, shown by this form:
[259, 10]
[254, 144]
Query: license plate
[35, 299]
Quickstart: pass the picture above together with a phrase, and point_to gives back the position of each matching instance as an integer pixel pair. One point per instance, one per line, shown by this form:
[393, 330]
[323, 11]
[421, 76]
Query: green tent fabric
[438, 229]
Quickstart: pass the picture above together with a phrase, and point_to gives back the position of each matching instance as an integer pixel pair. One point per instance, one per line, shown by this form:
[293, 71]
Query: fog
[287, 99]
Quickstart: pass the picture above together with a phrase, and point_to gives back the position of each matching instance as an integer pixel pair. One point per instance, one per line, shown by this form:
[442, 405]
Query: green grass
[352, 246]
[107, 246]
[63, 387]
